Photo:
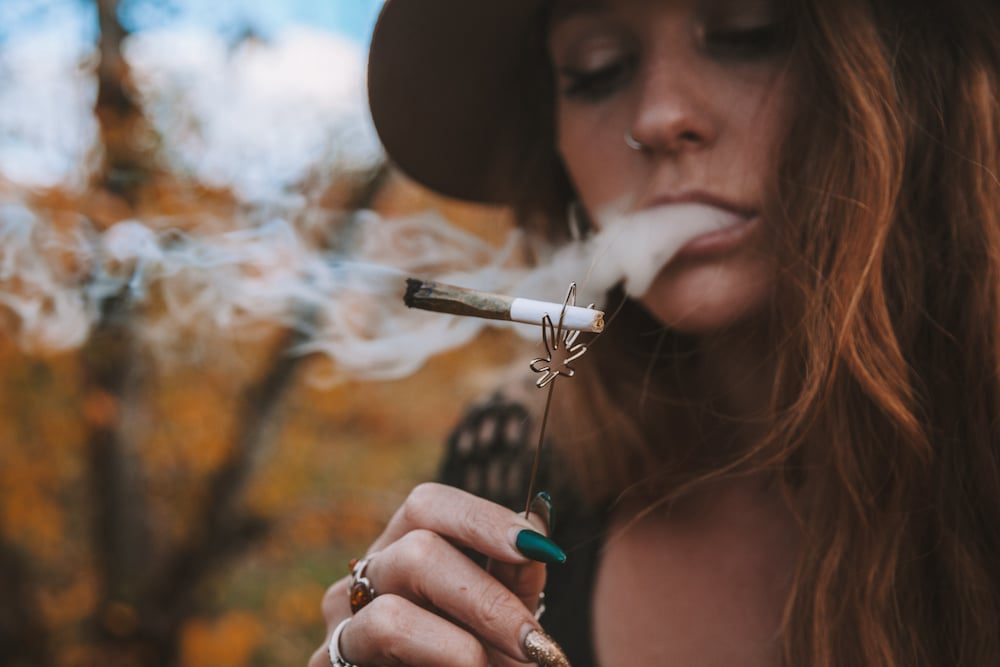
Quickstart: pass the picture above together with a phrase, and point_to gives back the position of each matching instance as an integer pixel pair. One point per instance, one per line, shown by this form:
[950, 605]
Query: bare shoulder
[703, 584]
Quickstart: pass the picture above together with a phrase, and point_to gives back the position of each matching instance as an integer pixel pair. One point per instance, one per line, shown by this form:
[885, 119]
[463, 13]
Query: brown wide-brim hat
[457, 90]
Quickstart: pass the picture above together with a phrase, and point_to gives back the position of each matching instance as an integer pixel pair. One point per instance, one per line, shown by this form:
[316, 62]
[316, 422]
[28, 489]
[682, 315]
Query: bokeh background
[190, 509]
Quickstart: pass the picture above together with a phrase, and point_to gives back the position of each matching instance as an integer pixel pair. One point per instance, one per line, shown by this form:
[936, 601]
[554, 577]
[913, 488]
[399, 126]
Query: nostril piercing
[634, 143]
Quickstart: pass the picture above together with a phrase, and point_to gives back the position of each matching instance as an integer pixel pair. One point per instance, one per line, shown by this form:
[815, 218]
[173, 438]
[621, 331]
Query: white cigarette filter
[530, 311]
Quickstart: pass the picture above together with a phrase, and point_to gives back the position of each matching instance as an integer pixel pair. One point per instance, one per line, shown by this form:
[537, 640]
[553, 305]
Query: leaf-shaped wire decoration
[561, 349]
[549, 366]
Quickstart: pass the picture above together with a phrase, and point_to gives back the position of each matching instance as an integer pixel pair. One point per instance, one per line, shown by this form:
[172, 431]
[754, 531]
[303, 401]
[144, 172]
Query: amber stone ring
[361, 591]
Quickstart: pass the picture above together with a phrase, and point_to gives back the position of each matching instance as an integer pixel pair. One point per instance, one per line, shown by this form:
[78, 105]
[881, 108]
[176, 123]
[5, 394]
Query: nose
[671, 114]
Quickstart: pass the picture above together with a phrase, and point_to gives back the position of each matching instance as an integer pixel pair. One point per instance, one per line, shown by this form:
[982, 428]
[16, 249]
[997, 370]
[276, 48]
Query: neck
[735, 371]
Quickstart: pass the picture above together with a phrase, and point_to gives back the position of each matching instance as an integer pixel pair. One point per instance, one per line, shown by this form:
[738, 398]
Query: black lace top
[490, 454]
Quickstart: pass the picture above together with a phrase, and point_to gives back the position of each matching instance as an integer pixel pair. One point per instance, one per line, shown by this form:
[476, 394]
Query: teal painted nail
[541, 505]
[536, 546]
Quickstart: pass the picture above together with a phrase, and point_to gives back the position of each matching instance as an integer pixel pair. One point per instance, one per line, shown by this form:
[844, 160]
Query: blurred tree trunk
[121, 538]
[24, 639]
[126, 135]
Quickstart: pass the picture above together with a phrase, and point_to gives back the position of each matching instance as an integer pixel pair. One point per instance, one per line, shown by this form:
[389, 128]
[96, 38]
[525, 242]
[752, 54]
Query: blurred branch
[259, 405]
[227, 528]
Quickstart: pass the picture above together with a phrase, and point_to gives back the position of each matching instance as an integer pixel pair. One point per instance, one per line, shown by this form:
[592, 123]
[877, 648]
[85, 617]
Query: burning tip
[413, 287]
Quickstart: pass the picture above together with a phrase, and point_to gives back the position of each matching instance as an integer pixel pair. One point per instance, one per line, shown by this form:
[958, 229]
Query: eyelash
[595, 85]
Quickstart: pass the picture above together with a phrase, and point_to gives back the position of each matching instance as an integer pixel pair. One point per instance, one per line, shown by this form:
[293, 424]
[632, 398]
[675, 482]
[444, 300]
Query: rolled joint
[442, 298]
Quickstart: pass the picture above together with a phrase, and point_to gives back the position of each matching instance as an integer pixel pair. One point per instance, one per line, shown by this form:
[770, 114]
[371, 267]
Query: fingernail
[536, 546]
[541, 505]
[544, 650]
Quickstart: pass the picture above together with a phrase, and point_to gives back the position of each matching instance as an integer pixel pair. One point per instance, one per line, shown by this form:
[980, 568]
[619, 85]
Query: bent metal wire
[561, 349]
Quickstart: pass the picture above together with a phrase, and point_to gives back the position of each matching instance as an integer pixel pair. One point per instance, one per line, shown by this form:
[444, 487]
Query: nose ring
[634, 143]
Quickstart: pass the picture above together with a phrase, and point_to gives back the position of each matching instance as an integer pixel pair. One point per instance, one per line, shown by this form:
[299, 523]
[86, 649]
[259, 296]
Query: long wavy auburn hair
[884, 420]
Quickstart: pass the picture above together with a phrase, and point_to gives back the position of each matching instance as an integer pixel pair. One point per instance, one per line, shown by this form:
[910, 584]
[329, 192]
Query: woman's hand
[436, 607]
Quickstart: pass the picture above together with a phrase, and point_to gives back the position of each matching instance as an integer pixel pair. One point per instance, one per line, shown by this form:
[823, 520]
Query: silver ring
[333, 646]
[634, 143]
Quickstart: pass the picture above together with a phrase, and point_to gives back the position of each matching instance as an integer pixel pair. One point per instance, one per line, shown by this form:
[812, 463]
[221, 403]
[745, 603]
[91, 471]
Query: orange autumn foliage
[334, 463]
[229, 640]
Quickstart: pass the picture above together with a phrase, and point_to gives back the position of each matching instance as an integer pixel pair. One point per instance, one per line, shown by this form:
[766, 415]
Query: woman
[788, 446]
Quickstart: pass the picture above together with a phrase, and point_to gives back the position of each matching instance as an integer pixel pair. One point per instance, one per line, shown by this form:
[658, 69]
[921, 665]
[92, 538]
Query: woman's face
[700, 84]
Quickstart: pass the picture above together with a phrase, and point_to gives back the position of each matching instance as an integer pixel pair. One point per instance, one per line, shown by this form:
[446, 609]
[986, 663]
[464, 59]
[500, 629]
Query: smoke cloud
[347, 303]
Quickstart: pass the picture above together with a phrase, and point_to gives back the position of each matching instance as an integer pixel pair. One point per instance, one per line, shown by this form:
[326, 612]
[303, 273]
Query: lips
[700, 197]
[708, 219]
[634, 246]
[733, 222]
[720, 241]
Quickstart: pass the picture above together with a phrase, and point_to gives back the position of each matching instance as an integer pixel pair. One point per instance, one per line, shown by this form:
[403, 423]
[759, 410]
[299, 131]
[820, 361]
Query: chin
[703, 300]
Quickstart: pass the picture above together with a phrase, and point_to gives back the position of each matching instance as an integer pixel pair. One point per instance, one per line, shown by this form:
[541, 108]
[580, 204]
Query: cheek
[594, 156]
[762, 120]
[705, 298]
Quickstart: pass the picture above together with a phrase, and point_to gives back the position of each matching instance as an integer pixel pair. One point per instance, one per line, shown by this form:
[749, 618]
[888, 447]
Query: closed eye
[596, 84]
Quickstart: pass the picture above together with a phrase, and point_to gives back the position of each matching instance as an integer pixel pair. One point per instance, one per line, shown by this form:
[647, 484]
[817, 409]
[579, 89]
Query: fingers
[476, 523]
[425, 568]
[336, 602]
[524, 581]
[391, 630]
[436, 606]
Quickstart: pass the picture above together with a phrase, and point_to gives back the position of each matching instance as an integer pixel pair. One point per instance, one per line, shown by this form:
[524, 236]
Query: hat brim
[453, 87]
